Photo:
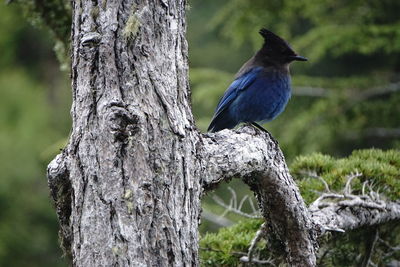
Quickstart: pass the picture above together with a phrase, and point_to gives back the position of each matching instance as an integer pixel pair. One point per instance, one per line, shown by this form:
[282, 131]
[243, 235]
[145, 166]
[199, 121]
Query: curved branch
[256, 157]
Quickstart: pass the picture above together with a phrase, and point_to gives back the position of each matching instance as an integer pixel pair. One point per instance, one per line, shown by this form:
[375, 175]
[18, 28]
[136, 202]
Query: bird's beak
[298, 58]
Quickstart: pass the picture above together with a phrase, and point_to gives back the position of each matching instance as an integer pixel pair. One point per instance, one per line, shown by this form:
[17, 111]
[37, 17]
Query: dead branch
[234, 207]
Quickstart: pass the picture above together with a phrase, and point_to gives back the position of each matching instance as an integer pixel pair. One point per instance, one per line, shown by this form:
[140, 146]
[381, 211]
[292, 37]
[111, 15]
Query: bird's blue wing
[240, 84]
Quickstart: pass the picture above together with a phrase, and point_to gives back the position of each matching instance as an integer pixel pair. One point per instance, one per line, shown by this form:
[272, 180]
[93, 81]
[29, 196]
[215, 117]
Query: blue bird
[261, 88]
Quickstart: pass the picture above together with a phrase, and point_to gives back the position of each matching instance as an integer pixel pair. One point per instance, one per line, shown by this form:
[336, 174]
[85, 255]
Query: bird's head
[275, 50]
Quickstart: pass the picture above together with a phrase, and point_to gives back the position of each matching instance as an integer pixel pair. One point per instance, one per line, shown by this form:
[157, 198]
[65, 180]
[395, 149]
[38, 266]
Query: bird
[261, 88]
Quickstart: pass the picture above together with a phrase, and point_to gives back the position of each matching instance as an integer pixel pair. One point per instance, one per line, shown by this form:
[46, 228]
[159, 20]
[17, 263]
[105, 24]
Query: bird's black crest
[271, 38]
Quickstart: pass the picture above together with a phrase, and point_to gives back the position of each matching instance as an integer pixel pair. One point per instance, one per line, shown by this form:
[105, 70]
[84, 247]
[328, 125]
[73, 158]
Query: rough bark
[129, 170]
[127, 188]
[354, 213]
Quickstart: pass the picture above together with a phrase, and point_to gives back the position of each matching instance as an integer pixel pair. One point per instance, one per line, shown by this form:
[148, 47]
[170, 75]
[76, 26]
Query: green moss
[379, 168]
[227, 246]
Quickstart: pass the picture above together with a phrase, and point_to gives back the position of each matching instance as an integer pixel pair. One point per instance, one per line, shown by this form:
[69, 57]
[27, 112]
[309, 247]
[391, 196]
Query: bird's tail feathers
[220, 122]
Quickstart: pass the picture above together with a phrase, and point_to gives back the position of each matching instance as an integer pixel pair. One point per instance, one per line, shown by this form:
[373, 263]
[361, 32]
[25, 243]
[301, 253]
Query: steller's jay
[261, 88]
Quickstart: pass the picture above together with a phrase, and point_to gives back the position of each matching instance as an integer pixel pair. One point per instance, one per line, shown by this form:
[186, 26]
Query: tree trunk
[127, 188]
[128, 177]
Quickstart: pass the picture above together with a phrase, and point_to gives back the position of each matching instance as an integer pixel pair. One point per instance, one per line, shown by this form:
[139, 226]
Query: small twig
[347, 188]
[252, 206]
[314, 175]
[363, 188]
[393, 249]
[372, 200]
[237, 253]
[242, 202]
[334, 230]
[218, 220]
[378, 91]
[260, 233]
[325, 184]
[397, 248]
[311, 91]
[220, 202]
[268, 261]
[324, 251]
[234, 196]
[248, 258]
[377, 196]
[232, 208]
[317, 203]
[372, 239]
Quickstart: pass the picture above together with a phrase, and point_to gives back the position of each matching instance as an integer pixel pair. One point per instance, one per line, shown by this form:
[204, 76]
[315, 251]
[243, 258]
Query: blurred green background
[345, 97]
